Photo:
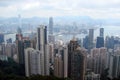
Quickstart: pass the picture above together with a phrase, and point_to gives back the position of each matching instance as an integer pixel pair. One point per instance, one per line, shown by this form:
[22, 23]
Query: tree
[104, 75]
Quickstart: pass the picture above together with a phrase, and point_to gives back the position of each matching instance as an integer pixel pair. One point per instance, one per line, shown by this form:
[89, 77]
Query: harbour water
[108, 31]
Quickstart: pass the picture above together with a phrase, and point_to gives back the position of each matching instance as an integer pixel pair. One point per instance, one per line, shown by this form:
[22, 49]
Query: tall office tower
[101, 32]
[86, 42]
[116, 43]
[99, 56]
[50, 25]
[100, 42]
[61, 62]
[76, 61]
[51, 37]
[91, 38]
[1, 38]
[109, 42]
[20, 22]
[44, 48]
[19, 30]
[32, 62]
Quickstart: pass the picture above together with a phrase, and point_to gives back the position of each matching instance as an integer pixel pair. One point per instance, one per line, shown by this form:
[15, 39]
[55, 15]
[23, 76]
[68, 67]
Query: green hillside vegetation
[10, 70]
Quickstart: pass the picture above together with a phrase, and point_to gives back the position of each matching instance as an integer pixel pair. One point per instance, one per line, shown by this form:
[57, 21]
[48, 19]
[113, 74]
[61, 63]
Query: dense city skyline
[43, 53]
[60, 40]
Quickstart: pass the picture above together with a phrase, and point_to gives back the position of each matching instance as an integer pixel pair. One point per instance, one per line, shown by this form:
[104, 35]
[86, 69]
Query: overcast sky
[47, 8]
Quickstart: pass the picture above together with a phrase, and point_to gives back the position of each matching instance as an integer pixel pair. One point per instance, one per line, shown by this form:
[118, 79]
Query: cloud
[46, 8]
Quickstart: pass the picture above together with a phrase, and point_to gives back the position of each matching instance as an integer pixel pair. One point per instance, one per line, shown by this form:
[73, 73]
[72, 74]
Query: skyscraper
[99, 56]
[51, 37]
[44, 48]
[76, 61]
[22, 43]
[2, 49]
[41, 37]
[58, 66]
[71, 48]
[91, 38]
[100, 42]
[78, 64]
[50, 25]
[10, 49]
[32, 62]
[20, 51]
[1, 38]
[86, 42]
[101, 32]
[20, 48]
[114, 63]
[109, 42]
[61, 62]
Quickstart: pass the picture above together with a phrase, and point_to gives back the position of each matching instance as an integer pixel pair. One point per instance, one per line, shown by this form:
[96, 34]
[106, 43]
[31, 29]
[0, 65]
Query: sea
[108, 31]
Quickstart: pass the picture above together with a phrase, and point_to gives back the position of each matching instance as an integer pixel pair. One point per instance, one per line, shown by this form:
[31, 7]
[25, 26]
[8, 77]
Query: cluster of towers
[42, 54]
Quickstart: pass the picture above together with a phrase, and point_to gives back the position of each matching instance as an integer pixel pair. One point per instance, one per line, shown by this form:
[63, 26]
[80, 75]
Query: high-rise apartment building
[20, 51]
[2, 49]
[114, 63]
[76, 61]
[10, 49]
[58, 66]
[61, 62]
[51, 53]
[33, 62]
[78, 64]
[21, 44]
[99, 56]
[44, 49]
[71, 48]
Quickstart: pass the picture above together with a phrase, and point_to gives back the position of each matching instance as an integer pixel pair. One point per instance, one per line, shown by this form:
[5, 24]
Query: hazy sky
[47, 8]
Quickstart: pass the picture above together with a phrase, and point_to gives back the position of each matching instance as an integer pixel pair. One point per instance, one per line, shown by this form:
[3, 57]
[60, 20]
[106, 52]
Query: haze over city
[59, 39]
[46, 8]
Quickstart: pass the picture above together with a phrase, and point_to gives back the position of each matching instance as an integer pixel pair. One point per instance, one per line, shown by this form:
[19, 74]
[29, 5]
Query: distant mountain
[61, 20]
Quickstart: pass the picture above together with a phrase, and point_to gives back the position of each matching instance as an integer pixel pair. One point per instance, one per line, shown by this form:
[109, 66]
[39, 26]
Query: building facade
[43, 47]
